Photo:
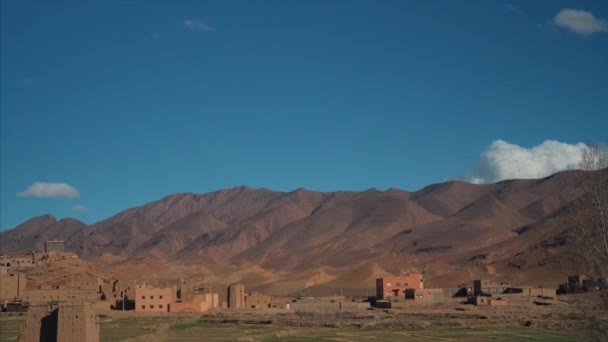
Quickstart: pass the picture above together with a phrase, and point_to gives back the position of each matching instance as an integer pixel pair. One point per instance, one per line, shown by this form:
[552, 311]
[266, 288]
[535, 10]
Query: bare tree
[590, 217]
[587, 224]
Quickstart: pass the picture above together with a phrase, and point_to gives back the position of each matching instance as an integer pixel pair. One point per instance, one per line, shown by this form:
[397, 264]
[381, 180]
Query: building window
[143, 306]
[160, 306]
[143, 297]
[160, 296]
[151, 306]
[151, 297]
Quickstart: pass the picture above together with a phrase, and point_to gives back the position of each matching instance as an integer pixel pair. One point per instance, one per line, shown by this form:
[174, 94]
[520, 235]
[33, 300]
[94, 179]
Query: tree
[590, 216]
[587, 223]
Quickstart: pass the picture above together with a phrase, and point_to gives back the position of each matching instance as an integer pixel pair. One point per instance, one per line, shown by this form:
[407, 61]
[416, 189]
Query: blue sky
[124, 102]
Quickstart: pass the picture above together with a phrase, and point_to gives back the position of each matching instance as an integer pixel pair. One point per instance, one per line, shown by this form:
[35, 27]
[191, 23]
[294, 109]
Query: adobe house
[202, 295]
[150, 298]
[396, 286]
[60, 322]
[256, 300]
[487, 287]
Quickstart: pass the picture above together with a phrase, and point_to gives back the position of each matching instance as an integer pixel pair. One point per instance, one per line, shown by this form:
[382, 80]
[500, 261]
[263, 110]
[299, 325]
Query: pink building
[153, 298]
[396, 286]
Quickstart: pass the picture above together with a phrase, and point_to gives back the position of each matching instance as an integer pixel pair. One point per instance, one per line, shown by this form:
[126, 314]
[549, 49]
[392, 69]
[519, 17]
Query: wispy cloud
[79, 208]
[514, 9]
[580, 22]
[502, 160]
[156, 36]
[45, 189]
[197, 25]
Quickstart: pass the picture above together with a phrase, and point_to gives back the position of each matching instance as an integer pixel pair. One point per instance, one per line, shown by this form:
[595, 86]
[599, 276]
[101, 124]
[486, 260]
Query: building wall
[54, 246]
[77, 322]
[488, 287]
[34, 324]
[189, 307]
[236, 296]
[298, 306]
[12, 286]
[11, 262]
[64, 322]
[395, 286]
[258, 301]
[428, 296]
[46, 295]
[199, 296]
[540, 291]
[497, 302]
[153, 299]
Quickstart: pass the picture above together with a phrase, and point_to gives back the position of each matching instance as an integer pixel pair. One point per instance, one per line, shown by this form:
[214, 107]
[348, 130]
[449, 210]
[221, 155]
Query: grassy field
[191, 328]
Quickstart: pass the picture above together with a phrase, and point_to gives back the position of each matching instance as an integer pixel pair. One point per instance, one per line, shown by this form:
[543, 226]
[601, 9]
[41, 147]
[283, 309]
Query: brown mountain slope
[288, 241]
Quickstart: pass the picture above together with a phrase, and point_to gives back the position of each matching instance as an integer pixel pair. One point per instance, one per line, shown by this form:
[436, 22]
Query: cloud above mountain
[46, 189]
[502, 160]
[581, 22]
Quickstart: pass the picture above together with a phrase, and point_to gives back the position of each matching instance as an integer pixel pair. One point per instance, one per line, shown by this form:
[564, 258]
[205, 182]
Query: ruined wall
[63, 322]
[77, 322]
[40, 324]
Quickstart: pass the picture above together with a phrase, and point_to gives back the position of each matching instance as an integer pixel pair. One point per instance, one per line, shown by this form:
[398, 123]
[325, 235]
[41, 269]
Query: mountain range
[313, 242]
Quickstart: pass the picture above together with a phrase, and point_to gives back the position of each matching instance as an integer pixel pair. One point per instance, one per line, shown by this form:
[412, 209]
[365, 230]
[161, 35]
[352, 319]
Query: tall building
[236, 296]
[60, 322]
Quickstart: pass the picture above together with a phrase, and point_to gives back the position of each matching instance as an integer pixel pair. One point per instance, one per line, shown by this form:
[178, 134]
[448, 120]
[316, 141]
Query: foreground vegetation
[292, 327]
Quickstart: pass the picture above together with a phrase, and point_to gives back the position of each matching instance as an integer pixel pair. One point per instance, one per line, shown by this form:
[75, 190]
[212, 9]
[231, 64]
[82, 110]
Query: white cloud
[44, 189]
[502, 160]
[197, 25]
[514, 9]
[579, 21]
[79, 208]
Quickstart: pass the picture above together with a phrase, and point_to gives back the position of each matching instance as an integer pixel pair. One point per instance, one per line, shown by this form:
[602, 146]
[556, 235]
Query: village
[75, 301]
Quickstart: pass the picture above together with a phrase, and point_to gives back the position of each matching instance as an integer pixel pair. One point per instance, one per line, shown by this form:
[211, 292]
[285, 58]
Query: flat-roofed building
[54, 246]
[396, 286]
[150, 298]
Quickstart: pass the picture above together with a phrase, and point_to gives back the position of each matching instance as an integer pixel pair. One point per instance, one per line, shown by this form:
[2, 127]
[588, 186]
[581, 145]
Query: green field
[188, 328]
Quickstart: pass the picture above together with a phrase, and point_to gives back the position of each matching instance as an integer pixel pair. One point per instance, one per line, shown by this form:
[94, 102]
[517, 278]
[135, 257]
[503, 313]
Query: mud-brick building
[150, 298]
[54, 246]
[61, 322]
[425, 296]
[12, 287]
[236, 296]
[256, 300]
[396, 286]
[488, 287]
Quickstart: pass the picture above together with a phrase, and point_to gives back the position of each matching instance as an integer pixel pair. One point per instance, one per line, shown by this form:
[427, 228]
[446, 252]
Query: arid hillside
[307, 241]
